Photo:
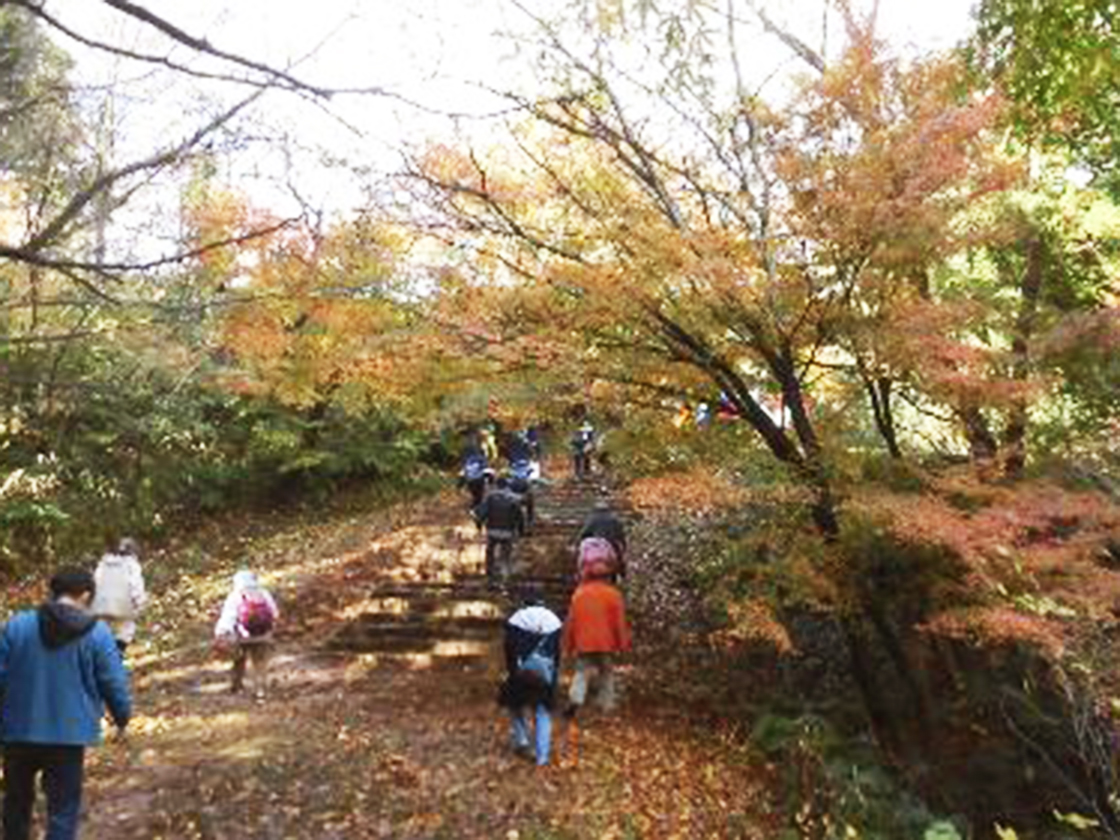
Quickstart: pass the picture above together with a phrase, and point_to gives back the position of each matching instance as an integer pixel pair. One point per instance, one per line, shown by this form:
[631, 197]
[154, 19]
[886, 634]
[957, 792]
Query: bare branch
[803, 50]
[56, 227]
[201, 45]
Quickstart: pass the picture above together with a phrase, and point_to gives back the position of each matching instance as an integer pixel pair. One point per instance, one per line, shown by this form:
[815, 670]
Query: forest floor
[362, 745]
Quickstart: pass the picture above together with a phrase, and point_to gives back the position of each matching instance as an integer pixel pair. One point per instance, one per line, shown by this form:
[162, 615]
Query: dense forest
[891, 280]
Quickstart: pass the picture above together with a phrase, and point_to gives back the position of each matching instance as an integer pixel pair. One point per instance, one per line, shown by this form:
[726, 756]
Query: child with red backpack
[246, 625]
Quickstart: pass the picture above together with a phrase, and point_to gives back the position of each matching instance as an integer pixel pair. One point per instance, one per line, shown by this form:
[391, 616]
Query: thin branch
[203, 46]
[23, 254]
[803, 50]
[106, 181]
[38, 11]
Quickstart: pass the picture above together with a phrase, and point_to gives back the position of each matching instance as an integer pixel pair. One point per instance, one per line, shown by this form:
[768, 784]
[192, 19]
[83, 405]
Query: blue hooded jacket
[59, 667]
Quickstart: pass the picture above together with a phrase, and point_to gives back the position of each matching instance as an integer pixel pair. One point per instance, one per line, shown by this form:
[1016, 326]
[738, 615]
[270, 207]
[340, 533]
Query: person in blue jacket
[59, 668]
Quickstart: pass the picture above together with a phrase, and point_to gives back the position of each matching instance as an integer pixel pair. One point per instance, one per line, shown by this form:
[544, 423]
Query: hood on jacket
[536, 619]
[245, 581]
[60, 624]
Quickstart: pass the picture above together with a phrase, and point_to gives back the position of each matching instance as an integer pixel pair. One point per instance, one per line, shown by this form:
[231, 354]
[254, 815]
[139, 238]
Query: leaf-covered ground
[357, 745]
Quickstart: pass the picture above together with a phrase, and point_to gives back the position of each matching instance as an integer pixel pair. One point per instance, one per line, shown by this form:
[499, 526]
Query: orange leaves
[754, 620]
[887, 155]
[320, 311]
[999, 626]
[1030, 550]
[699, 491]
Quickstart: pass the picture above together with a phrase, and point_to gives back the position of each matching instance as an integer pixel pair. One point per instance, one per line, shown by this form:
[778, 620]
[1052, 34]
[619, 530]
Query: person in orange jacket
[596, 631]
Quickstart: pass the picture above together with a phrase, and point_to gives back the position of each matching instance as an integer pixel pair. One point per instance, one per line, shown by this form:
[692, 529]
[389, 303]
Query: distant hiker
[120, 591]
[488, 440]
[518, 448]
[502, 515]
[604, 523]
[246, 625]
[476, 474]
[521, 480]
[532, 647]
[582, 445]
[595, 631]
[536, 445]
[59, 668]
[703, 416]
[726, 410]
[683, 418]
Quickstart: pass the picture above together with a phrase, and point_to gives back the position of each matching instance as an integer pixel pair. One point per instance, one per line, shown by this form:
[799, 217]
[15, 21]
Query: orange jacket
[596, 620]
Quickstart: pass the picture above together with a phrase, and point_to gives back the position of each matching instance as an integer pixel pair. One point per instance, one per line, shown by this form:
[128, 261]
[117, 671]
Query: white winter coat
[120, 593]
[228, 626]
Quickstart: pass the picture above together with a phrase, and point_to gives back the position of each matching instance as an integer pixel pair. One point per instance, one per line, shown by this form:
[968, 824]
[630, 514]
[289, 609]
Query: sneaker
[524, 751]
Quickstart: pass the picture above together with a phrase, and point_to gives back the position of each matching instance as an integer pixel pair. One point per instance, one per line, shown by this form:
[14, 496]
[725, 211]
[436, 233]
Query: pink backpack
[597, 557]
[254, 614]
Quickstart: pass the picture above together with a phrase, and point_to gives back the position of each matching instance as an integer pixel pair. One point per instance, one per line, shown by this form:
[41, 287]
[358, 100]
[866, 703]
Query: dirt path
[395, 739]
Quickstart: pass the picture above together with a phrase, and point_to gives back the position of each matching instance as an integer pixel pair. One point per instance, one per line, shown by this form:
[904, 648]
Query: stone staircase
[456, 622]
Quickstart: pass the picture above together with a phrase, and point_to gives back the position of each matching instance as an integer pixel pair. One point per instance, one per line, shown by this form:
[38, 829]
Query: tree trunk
[879, 390]
[1015, 432]
[982, 445]
[882, 726]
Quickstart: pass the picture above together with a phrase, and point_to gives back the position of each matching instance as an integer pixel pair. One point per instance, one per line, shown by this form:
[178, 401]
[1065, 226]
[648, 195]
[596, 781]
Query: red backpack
[254, 614]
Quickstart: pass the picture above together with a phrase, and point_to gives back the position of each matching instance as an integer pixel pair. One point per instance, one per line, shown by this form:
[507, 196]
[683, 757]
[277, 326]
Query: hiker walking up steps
[532, 647]
[582, 444]
[502, 515]
[603, 524]
[595, 632]
[245, 626]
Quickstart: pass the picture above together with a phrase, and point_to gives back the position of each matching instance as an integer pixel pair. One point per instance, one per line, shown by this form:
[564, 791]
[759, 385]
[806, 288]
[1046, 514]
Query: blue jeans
[520, 731]
[61, 766]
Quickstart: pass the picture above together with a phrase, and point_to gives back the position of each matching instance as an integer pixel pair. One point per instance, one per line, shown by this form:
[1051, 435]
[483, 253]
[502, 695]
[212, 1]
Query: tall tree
[746, 244]
[1060, 64]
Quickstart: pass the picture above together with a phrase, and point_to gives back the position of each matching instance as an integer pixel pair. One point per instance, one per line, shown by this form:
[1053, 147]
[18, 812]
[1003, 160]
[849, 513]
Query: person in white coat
[246, 624]
[120, 595]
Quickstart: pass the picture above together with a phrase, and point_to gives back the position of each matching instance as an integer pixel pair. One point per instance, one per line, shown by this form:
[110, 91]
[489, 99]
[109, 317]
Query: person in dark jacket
[502, 515]
[582, 444]
[475, 474]
[59, 668]
[604, 523]
[521, 475]
[532, 646]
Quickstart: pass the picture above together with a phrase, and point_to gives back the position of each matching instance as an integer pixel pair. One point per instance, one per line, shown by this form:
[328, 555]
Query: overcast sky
[439, 53]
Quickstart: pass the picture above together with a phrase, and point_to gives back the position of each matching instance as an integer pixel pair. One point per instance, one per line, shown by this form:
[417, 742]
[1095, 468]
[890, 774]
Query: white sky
[436, 52]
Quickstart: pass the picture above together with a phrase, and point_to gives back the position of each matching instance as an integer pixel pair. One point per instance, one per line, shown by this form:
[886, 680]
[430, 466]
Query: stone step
[458, 623]
[424, 627]
[435, 648]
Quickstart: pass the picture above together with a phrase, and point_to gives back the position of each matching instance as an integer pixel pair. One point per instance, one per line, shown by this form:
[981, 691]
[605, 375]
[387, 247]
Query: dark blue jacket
[59, 667]
[514, 693]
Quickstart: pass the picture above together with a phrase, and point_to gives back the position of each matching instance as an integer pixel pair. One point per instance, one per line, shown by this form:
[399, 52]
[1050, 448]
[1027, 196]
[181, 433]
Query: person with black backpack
[532, 648]
[606, 524]
[503, 516]
[245, 627]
